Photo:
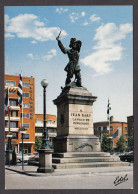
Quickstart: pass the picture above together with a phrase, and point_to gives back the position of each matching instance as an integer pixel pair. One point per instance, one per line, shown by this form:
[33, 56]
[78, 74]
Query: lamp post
[9, 136]
[45, 140]
[45, 153]
[110, 138]
[22, 132]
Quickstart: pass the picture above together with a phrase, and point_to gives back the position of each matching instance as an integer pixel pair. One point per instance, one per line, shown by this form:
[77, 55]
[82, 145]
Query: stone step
[80, 154]
[89, 165]
[85, 159]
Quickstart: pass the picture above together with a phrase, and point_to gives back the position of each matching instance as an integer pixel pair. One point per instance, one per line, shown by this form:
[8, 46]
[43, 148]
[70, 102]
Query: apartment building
[51, 123]
[16, 116]
[103, 127]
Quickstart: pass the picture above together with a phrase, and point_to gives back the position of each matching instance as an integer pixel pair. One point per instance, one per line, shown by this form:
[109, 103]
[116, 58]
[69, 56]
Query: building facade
[18, 115]
[51, 124]
[103, 128]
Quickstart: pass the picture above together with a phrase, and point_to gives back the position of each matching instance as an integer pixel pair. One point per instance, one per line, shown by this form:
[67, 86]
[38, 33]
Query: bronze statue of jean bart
[72, 68]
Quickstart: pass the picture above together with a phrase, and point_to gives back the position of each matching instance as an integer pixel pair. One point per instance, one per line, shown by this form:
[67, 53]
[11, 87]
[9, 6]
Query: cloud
[8, 35]
[34, 42]
[47, 57]
[50, 55]
[37, 23]
[61, 10]
[75, 16]
[30, 55]
[29, 26]
[82, 13]
[108, 48]
[94, 18]
[85, 23]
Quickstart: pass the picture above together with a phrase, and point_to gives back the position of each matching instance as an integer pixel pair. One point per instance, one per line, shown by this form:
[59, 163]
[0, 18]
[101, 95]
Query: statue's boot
[68, 80]
[78, 83]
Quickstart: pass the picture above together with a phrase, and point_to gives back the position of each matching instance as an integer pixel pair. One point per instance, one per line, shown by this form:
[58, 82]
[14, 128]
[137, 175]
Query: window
[49, 121]
[25, 115]
[51, 130]
[26, 125]
[126, 135]
[26, 136]
[99, 128]
[12, 124]
[126, 129]
[13, 113]
[25, 85]
[39, 130]
[14, 135]
[12, 103]
[104, 128]
[111, 128]
[126, 142]
[39, 121]
[25, 105]
[11, 92]
[10, 83]
[25, 95]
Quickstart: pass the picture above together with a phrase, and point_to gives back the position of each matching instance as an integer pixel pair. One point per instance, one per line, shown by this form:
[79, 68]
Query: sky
[106, 56]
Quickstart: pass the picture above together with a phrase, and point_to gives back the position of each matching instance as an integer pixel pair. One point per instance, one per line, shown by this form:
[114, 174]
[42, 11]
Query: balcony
[12, 118]
[11, 88]
[12, 129]
[14, 108]
[50, 134]
[48, 125]
[38, 134]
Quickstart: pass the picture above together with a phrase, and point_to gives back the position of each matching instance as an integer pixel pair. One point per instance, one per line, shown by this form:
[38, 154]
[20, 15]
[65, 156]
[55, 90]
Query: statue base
[75, 121]
[76, 143]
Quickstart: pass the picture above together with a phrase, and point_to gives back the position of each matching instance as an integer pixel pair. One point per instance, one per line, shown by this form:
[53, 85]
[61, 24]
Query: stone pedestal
[45, 161]
[75, 122]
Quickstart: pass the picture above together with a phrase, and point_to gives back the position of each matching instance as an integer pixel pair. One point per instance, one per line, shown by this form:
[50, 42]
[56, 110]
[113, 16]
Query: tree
[120, 146]
[38, 143]
[131, 143]
[106, 144]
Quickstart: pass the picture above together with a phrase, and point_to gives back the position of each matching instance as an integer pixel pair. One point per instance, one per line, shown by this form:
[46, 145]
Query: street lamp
[45, 139]
[22, 131]
[9, 148]
[9, 136]
[45, 153]
[110, 138]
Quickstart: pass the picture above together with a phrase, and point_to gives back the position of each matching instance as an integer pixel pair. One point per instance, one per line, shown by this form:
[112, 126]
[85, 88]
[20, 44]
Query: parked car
[127, 157]
[26, 157]
[34, 160]
[35, 155]
[19, 157]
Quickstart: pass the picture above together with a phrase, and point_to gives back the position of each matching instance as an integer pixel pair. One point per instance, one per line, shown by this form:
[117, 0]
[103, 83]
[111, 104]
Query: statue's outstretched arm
[63, 49]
